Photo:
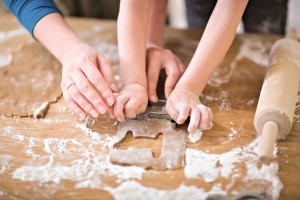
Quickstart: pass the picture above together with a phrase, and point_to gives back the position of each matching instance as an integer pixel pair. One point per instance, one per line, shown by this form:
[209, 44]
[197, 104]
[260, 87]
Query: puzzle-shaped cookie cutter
[149, 125]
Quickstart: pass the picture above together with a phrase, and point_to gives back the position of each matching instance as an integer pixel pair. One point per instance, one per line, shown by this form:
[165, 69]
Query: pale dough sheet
[30, 76]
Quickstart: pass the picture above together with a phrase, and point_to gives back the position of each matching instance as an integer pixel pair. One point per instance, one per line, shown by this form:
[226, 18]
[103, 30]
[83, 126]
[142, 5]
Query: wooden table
[58, 157]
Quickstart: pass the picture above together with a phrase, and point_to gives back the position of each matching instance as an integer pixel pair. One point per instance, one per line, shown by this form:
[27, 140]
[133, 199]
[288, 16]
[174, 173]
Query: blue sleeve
[29, 12]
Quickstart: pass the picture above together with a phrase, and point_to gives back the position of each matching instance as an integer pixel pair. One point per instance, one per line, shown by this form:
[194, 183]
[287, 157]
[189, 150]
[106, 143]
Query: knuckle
[75, 94]
[168, 52]
[154, 53]
[175, 72]
[95, 79]
[84, 88]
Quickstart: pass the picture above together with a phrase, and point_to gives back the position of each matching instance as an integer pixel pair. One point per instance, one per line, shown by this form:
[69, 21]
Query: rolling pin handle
[267, 141]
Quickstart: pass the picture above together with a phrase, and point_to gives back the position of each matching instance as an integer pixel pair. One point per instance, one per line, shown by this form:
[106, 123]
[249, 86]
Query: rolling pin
[277, 102]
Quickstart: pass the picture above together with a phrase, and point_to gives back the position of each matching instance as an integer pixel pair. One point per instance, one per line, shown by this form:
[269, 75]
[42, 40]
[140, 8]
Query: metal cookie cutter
[157, 111]
[154, 121]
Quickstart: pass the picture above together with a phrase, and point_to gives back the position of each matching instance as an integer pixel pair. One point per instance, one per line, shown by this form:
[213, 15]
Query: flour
[5, 60]
[109, 50]
[126, 190]
[83, 159]
[196, 136]
[209, 167]
[4, 162]
[254, 50]
[10, 34]
[85, 162]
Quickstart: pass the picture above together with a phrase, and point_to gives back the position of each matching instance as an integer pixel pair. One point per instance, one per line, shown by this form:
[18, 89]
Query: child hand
[158, 58]
[183, 103]
[87, 81]
[131, 101]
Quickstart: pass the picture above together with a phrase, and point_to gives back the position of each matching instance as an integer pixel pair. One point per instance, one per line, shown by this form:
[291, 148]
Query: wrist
[72, 50]
[190, 86]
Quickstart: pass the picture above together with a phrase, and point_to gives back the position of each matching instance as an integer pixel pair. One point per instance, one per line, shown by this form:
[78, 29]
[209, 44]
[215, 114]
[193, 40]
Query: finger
[88, 91]
[77, 97]
[110, 111]
[183, 114]
[131, 108]
[173, 75]
[180, 65]
[105, 68]
[153, 69]
[194, 120]
[72, 105]
[95, 77]
[119, 107]
[141, 109]
[205, 116]
[172, 112]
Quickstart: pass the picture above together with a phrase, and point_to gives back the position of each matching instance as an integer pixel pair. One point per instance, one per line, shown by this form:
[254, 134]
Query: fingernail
[110, 101]
[101, 109]
[154, 98]
[114, 87]
[82, 115]
[94, 113]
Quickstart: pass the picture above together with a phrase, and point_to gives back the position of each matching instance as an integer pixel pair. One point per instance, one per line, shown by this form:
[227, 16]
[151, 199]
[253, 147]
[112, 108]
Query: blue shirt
[29, 12]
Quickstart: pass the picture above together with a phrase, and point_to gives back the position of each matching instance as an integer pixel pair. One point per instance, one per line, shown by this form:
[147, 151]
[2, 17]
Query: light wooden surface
[233, 105]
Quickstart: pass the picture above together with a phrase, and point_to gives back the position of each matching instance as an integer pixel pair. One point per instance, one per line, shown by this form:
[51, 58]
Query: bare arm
[217, 37]
[132, 36]
[215, 42]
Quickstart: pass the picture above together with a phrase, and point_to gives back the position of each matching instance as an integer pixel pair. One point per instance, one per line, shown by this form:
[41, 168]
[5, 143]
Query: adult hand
[183, 103]
[87, 81]
[158, 58]
[131, 101]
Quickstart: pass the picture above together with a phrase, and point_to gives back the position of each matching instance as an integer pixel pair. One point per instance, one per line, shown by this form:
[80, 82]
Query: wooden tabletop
[61, 157]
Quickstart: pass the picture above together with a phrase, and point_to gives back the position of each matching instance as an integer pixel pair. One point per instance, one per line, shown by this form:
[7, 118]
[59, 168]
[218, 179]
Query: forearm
[132, 36]
[54, 33]
[214, 44]
[156, 23]
[30, 12]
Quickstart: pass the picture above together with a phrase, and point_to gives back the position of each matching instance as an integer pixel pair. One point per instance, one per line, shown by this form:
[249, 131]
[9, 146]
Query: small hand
[87, 81]
[131, 101]
[158, 58]
[183, 103]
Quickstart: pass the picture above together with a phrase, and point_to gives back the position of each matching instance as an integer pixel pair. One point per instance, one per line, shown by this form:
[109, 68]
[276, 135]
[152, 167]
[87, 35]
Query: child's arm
[215, 42]
[157, 56]
[132, 35]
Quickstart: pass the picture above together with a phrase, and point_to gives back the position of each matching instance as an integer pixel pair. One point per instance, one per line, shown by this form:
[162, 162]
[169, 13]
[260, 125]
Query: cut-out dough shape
[173, 148]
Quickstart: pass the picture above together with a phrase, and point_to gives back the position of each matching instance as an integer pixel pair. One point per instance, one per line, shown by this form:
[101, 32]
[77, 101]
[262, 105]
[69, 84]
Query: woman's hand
[87, 81]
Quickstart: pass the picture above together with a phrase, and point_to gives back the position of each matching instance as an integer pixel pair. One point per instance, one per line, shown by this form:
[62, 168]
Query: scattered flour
[10, 34]
[126, 190]
[87, 162]
[209, 167]
[196, 136]
[4, 162]
[256, 51]
[84, 160]
[5, 60]
[110, 50]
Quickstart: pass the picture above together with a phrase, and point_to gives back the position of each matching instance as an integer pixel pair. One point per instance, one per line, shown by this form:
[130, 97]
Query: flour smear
[85, 161]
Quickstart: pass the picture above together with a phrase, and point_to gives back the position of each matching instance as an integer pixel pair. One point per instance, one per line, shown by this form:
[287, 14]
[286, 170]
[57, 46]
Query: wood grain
[233, 104]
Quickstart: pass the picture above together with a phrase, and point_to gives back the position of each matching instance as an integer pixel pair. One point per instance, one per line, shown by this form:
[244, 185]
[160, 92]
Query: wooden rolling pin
[277, 102]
